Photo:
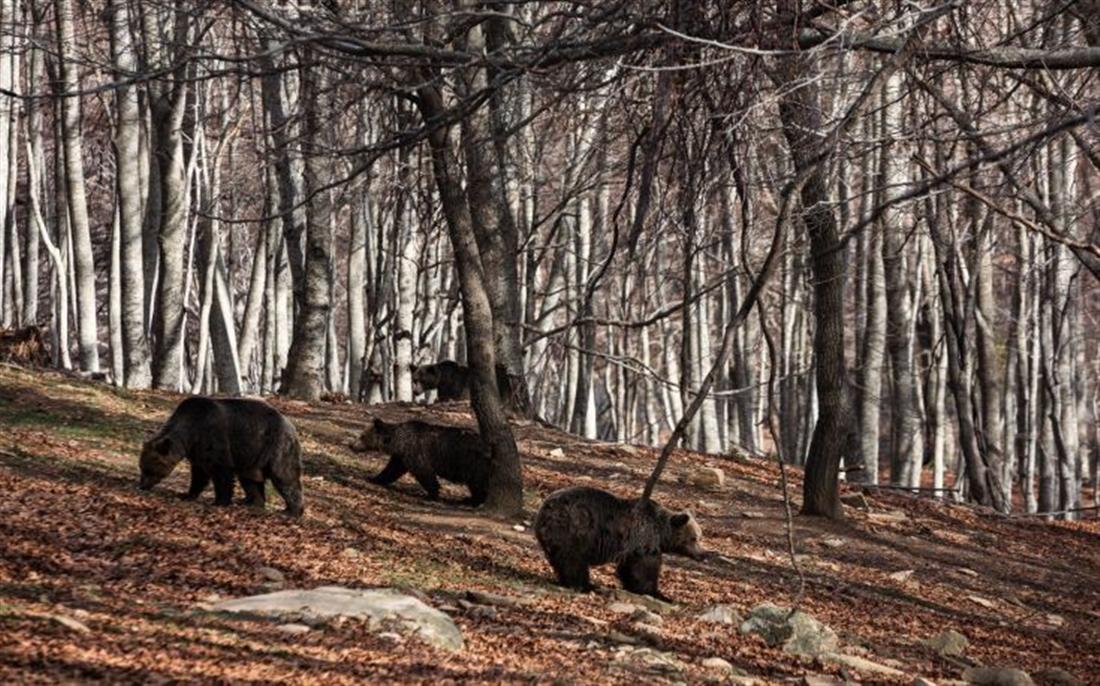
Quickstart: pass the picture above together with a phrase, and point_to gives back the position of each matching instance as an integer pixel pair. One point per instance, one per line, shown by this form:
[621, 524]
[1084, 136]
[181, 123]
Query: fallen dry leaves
[101, 582]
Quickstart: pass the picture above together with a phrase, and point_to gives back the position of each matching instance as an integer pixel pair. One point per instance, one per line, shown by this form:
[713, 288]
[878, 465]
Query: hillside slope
[78, 540]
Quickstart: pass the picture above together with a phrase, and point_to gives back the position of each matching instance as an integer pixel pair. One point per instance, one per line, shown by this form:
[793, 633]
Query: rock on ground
[799, 634]
[997, 676]
[948, 643]
[720, 614]
[384, 609]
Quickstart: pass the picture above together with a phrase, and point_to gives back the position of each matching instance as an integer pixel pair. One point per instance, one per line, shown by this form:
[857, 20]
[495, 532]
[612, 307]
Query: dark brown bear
[451, 381]
[582, 527]
[429, 453]
[226, 439]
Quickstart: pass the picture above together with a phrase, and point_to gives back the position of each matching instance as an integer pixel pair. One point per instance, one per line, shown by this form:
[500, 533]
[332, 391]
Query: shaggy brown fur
[582, 527]
[429, 453]
[224, 439]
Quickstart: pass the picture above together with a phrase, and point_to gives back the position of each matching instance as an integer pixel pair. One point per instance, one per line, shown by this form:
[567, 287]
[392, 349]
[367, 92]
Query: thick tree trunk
[306, 360]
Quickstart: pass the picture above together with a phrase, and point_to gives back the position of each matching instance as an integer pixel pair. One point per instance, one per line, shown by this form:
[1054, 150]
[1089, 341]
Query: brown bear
[429, 453]
[583, 527]
[451, 381]
[226, 439]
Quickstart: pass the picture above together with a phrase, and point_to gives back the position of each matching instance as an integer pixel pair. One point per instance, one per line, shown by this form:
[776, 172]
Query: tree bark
[306, 360]
[72, 141]
[135, 345]
[505, 487]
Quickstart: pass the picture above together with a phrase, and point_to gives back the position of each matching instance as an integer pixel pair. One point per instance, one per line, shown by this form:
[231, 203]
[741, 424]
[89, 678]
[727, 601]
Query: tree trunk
[72, 141]
[135, 346]
[505, 487]
[800, 114]
[306, 360]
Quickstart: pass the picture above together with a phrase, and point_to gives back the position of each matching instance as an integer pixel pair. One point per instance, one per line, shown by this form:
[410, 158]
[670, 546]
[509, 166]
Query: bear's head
[681, 535]
[375, 438]
[159, 455]
[424, 379]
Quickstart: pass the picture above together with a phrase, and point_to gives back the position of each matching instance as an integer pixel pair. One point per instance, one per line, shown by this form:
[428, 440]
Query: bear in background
[228, 439]
[579, 528]
[451, 381]
[429, 453]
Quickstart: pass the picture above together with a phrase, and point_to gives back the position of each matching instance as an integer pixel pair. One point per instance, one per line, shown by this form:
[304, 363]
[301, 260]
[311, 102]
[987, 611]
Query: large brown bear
[429, 453]
[226, 439]
[582, 527]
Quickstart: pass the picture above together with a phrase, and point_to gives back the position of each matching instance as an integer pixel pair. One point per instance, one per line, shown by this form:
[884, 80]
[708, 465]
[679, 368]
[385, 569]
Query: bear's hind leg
[573, 574]
[639, 574]
[394, 470]
[223, 486]
[478, 494]
[200, 479]
[253, 492]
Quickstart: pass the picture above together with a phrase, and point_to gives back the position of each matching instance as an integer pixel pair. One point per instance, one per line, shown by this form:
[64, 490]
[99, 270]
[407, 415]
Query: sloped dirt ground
[79, 540]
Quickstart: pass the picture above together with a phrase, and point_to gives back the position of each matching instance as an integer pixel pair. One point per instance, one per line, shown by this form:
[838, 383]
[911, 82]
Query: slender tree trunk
[135, 345]
[908, 434]
[72, 140]
[505, 487]
[800, 114]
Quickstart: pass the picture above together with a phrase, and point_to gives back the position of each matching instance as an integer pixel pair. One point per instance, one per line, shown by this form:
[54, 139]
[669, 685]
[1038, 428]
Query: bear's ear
[680, 519]
[162, 445]
[412, 367]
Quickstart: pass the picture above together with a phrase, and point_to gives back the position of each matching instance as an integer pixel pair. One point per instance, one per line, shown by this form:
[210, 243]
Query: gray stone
[644, 616]
[720, 614]
[833, 542]
[351, 553]
[752, 514]
[622, 608]
[949, 643]
[648, 602]
[648, 660]
[1057, 677]
[69, 623]
[711, 478]
[997, 676]
[717, 664]
[294, 629]
[799, 634]
[864, 665]
[384, 609]
[902, 576]
[271, 574]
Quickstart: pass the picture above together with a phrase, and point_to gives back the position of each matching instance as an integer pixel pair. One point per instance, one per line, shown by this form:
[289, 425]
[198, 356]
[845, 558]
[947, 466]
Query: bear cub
[583, 527]
[429, 453]
[227, 439]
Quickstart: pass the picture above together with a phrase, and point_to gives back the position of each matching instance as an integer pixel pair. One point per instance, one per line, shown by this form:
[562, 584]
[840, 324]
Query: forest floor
[102, 582]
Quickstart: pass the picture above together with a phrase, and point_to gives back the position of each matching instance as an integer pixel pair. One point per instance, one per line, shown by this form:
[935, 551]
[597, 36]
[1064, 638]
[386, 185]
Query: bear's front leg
[200, 479]
[223, 486]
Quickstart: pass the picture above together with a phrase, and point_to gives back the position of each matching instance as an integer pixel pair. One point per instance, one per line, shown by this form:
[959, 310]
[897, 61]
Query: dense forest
[862, 236]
